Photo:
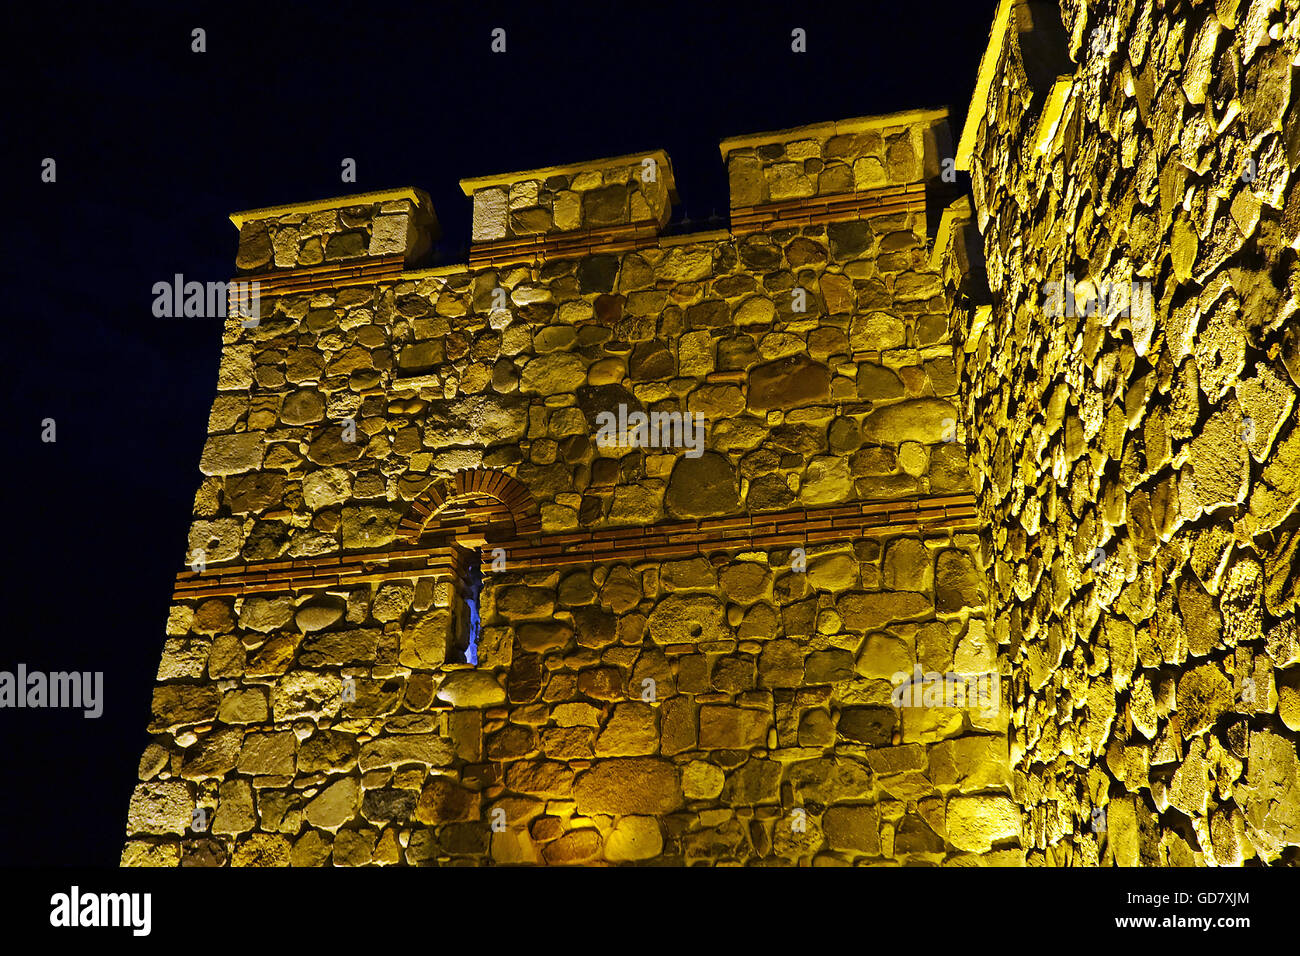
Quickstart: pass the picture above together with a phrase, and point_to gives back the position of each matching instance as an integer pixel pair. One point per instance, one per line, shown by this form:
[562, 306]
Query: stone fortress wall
[660, 675]
[438, 622]
[1139, 468]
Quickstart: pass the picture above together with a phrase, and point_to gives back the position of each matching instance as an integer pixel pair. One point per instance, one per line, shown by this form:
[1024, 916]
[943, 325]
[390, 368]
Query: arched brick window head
[471, 510]
[476, 506]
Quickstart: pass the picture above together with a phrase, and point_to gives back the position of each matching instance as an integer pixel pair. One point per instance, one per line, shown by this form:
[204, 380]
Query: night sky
[156, 145]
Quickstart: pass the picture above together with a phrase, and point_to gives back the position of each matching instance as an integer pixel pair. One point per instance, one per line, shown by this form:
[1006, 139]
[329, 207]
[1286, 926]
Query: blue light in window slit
[471, 607]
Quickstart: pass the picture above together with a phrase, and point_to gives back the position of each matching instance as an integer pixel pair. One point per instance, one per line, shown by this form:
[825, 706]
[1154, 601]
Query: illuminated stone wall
[1140, 472]
[1049, 432]
[694, 689]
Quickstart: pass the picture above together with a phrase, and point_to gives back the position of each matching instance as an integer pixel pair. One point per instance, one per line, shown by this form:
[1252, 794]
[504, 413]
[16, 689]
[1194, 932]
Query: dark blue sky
[156, 145]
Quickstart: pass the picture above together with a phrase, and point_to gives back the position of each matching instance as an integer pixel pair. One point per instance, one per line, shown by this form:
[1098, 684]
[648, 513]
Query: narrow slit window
[465, 628]
[473, 586]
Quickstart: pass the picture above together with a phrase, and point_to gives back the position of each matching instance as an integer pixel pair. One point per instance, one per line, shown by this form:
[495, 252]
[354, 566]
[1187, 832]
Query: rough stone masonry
[1139, 470]
[430, 620]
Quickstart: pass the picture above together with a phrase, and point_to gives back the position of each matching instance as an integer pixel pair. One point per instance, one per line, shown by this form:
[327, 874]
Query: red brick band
[579, 243]
[822, 209]
[787, 529]
[335, 276]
